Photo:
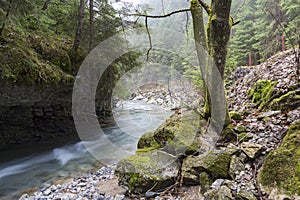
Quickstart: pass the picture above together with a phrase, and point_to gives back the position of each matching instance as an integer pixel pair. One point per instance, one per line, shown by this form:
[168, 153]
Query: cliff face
[34, 113]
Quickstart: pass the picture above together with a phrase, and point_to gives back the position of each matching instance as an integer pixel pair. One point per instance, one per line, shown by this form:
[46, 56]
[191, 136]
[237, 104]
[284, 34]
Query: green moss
[235, 115]
[35, 58]
[262, 93]
[288, 101]
[228, 134]
[145, 171]
[176, 136]
[216, 163]
[282, 167]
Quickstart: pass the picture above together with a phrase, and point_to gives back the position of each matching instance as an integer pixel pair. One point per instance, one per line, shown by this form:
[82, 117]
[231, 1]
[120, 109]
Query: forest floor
[265, 128]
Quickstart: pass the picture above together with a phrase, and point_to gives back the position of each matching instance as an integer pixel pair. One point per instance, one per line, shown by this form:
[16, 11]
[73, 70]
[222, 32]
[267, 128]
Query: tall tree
[79, 29]
[92, 26]
[214, 40]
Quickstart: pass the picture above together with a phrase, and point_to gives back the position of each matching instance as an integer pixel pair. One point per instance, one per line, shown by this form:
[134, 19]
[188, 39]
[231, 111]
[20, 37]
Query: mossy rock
[262, 93]
[288, 101]
[281, 169]
[143, 172]
[216, 163]
[235, 115]
[178, 135]
[228, 134]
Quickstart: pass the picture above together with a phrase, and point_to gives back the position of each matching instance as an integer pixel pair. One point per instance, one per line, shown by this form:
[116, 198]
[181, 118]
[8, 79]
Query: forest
[150, 99]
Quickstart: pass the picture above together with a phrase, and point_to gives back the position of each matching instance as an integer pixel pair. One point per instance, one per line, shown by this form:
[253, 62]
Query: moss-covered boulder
[150, 171]
[178, 135]
[215, 163]
[288, 101]
[281, 169]
[235, 115]
[262, 93]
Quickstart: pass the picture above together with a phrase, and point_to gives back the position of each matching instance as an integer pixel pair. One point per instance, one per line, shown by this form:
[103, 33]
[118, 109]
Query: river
[38, 169]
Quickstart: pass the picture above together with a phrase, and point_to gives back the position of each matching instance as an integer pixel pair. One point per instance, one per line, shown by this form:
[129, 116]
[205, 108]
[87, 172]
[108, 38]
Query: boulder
[236, 166]
[146, 172]
[223, 193]
[288, 101]
[178, 135]
[245, 195]
[215, 163]
[251, 150]
[281, 169]
[262, 93]
[235, 115]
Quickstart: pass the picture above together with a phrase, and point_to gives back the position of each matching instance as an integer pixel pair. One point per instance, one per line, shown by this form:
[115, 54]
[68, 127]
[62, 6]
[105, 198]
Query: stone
[235, 115]
[245, 195]
[144, 171]
[215, 163]
[223, 193]
[251, 150]
[288, 101]
[262, 92]
[47, 192]
[236, 166]
[268, 114]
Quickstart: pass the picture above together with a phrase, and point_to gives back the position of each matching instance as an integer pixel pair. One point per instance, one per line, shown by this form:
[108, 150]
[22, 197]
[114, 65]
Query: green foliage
[261, 27]
[22, 62]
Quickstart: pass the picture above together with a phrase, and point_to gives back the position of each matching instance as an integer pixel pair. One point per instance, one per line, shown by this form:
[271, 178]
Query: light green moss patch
[262, 93]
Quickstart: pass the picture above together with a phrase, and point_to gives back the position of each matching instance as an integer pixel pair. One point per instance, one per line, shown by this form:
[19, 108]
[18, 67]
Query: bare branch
[205, 6]
[159, 16]
[46, 4]
[149, 36]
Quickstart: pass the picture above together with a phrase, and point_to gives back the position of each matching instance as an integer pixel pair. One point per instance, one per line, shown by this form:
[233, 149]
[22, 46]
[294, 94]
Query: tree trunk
[218, 33]
[91, 45]
[78, 31]
[201, 45]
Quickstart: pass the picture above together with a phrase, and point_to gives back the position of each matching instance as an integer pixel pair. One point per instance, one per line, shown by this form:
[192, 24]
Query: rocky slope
[265, 102]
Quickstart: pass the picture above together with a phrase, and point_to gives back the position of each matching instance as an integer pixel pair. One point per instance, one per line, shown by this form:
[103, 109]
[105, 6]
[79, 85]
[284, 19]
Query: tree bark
[218, 33]
[79, 28]
[92, 27]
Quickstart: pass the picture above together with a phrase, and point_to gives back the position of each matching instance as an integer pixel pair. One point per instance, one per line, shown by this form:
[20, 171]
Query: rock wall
[33, 113]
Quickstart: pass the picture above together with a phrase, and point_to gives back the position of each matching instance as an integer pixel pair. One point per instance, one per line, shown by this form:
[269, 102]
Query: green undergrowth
[35, 58]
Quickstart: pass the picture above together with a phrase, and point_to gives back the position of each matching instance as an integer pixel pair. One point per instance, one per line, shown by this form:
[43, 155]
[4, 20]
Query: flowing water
[133, 119]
